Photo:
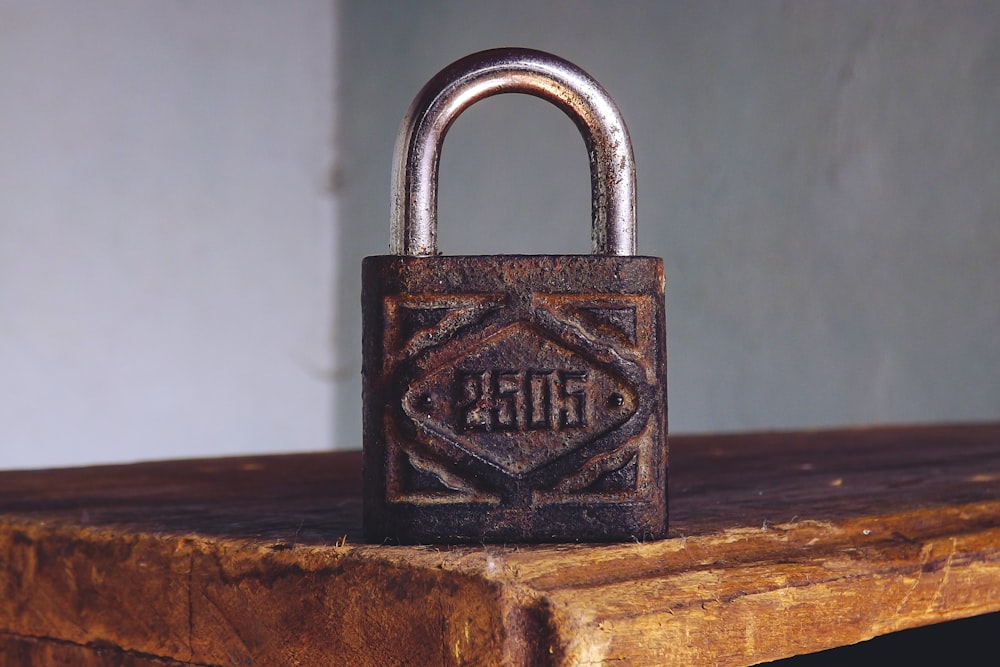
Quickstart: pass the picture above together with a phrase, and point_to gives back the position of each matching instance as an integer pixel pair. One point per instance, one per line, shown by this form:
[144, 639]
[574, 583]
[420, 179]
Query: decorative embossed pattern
[542, 401]
[522, 403]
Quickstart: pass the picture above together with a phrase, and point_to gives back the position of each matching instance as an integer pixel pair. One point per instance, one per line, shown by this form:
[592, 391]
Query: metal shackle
[512, 70]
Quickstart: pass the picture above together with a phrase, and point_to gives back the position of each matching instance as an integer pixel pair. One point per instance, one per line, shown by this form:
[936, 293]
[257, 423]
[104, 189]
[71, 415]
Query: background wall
[166, 228]
[187, 189]
[822, 180]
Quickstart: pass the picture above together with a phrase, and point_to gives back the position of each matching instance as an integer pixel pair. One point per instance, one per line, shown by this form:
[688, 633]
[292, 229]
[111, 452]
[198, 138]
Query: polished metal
[512, 70]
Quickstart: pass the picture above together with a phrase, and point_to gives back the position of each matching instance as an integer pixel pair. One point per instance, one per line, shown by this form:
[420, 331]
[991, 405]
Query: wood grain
[22, 651]
[781, 544]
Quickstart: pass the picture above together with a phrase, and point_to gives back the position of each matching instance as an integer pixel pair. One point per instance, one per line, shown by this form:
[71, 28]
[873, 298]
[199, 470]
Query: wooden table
[781, 544]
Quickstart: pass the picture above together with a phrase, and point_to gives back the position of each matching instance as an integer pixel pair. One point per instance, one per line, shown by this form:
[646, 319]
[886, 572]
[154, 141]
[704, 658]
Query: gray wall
[166, 228]
[187, 189]
[822, 180]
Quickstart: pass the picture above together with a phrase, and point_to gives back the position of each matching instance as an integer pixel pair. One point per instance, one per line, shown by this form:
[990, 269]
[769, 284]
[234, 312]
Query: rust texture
[514, 398]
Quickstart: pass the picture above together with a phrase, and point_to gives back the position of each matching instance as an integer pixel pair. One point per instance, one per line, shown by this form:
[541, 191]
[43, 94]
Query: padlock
[513, 398]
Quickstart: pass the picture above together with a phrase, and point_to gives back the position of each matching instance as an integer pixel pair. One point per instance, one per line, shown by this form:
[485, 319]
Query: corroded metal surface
[514, 398]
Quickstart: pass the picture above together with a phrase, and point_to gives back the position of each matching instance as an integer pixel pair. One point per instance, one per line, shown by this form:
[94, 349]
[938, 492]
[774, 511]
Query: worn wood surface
[780, 544]
[18, 651]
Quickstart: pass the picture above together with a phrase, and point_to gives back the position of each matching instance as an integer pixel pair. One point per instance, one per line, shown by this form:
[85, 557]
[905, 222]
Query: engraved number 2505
[521, 400]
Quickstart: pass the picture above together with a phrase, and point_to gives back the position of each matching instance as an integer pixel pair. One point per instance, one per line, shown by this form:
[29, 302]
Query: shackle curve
[512, 70]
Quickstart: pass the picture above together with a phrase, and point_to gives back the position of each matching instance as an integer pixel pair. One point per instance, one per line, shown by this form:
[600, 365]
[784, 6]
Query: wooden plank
[21, 651]
[780, 544]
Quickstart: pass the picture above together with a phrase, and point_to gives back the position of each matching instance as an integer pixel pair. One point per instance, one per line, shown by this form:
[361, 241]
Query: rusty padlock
[514, 397]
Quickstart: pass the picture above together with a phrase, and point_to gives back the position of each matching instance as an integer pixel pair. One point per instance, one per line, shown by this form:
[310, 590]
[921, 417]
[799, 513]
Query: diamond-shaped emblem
[520, 400]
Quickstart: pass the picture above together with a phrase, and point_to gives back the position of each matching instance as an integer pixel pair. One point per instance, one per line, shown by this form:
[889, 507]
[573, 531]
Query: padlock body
[514, 398]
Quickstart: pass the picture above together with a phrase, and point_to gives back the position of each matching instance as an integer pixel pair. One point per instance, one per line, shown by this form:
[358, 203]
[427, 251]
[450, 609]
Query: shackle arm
[512, 70]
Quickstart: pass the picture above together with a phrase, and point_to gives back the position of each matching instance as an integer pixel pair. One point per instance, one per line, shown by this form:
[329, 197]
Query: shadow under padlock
[514, 397]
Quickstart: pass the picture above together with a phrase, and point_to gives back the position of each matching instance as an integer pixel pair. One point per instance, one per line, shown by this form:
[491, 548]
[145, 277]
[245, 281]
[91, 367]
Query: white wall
[166, 236]
[822, 179]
